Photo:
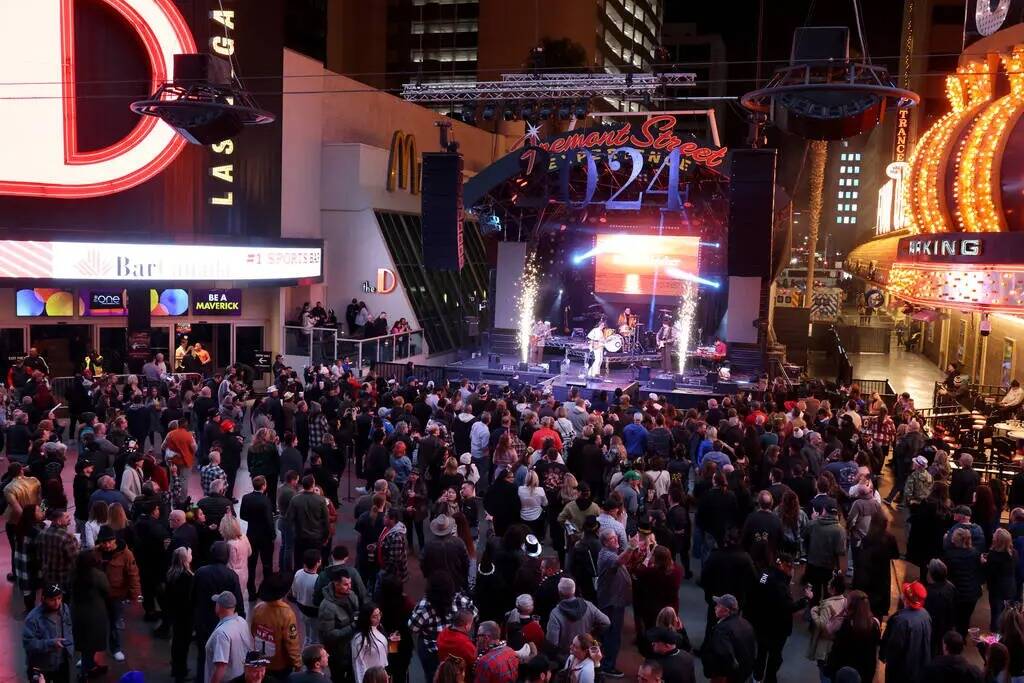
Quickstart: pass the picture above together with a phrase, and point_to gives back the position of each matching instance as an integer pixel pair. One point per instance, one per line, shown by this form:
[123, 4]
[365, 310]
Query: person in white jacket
[369, 644]
[131, 480]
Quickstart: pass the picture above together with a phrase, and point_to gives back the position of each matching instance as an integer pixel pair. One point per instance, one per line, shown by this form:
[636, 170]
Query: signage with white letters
[116, 262]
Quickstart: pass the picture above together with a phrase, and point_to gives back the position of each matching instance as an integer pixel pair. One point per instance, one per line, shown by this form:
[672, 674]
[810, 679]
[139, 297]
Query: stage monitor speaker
[442, 211]
[727, 387]
[711, 378]
[644, 373]
[751, 212]
[555, 367]
[493, 361]
[523, 367]
[663, 383]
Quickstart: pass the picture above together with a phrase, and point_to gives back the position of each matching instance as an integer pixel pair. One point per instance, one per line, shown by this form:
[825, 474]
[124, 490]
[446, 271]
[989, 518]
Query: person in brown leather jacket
[274, 628]
[118, 562]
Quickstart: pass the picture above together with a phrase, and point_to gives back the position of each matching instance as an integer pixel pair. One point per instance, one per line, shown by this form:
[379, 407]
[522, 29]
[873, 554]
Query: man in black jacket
[964, 481]
[940, 602]
[257, 511]
[729, 569]
[951, 666]
[210, 580]
[770, 611]
[729, 651]
[446, 552]
[152, 538]
[763, 526]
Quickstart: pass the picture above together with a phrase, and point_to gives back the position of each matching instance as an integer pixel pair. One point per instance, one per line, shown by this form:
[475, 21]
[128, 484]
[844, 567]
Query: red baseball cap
[914, 594]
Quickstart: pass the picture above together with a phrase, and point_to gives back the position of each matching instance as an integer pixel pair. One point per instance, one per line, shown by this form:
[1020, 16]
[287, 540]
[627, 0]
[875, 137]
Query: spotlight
[545, 110]
[489, 111]
[469, 112]
[527, 110]
[581, 108]
[564, 108]
[509, 113]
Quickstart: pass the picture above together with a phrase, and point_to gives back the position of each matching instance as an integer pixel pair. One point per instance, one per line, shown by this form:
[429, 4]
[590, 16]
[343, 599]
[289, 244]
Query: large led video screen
[656, 265]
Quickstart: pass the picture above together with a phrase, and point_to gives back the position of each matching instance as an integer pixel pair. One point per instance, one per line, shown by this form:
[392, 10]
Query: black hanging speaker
[442, 210]
[138, 309]
[555, 366]
[751, 212]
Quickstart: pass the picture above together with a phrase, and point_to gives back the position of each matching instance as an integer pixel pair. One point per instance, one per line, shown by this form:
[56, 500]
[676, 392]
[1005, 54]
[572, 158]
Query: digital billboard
[644, 264]
[217, 302]
[44, 303]
[102, 302]
[168, 302]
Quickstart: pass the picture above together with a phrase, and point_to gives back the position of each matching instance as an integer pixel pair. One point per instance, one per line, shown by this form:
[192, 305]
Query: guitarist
[666, 339]
[596, 341]
[538, 334]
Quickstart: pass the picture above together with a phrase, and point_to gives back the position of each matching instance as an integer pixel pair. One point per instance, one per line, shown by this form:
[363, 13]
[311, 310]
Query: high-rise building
[387, 44]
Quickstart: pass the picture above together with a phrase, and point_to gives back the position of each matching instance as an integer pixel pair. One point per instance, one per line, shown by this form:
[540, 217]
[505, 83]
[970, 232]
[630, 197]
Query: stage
[638, 381]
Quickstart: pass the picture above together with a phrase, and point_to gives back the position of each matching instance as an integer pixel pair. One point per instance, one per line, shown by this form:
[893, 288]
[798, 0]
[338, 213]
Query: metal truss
[547, 87]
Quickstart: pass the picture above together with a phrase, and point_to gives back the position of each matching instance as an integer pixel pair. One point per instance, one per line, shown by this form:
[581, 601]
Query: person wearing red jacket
[456, 641]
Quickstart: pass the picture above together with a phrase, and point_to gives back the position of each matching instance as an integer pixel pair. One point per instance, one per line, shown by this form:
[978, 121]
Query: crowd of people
[500, 534]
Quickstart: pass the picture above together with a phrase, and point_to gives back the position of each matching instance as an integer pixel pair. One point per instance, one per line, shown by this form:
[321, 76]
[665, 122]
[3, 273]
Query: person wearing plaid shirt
[317, 425]
[427, 622]
[26, 557]
[392, 554]
[211, 472]
[58, 549]
[497, 663]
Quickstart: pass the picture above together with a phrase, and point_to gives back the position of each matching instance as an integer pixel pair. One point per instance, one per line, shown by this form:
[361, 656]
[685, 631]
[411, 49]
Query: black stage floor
[682, 391]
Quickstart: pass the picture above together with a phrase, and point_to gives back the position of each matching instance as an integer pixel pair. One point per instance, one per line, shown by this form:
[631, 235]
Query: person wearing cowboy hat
[906, 643]
[446, 552]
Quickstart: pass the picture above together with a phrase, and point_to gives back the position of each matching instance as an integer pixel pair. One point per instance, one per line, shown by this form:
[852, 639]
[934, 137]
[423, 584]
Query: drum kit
[632, 337]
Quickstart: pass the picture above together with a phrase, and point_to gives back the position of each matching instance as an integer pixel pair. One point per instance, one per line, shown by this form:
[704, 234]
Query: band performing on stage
[630, 342]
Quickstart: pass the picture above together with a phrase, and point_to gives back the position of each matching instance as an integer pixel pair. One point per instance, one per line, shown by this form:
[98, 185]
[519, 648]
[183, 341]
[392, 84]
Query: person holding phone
[48, 636]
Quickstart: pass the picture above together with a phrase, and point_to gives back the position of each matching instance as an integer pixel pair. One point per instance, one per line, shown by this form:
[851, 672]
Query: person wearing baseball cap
[48, 636]
[728, 653]
[906, 648]
[962, 520]
[256, 664]
[229, 643]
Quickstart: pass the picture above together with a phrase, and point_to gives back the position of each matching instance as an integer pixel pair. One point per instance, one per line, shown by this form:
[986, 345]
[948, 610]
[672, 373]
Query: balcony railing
[325, 344]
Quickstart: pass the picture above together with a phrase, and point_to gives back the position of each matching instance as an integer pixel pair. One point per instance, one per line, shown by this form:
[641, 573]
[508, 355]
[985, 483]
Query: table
[1004, 427]
[1017, 434]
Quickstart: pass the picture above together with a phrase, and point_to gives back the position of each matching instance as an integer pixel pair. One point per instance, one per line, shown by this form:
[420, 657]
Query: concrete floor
[905, 371]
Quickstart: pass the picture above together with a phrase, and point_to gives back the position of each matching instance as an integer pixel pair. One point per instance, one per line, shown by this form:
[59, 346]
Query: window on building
[853, 219]
[853, 195]
[839, 219]
[440, 299]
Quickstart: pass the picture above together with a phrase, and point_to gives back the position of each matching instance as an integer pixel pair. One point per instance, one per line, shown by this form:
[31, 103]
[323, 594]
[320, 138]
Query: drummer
[627, 321]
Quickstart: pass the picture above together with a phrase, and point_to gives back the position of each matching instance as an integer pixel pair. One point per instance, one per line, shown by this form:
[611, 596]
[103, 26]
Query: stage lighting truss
[548, 87]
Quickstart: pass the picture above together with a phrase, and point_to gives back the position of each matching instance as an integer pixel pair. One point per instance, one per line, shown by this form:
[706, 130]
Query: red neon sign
[655, 133]
[37, 61]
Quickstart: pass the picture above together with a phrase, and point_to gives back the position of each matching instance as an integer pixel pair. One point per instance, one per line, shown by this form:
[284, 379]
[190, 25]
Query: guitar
[662, 342]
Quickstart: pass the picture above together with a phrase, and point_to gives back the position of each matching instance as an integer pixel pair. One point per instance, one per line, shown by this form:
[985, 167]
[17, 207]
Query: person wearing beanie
[906, 645]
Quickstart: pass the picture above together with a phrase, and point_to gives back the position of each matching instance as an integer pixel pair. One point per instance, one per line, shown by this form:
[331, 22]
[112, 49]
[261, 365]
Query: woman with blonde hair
[1000, 564]
[583, 660]
[239, 550]
[940, 469]
[451, 670]
[117, 519]
[532, 501]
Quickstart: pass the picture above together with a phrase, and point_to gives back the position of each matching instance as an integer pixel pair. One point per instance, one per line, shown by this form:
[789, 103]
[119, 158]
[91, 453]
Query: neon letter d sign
[38, 122]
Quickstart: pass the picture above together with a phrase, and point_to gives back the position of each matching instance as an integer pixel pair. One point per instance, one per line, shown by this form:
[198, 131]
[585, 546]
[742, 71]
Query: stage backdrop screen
[644, 264]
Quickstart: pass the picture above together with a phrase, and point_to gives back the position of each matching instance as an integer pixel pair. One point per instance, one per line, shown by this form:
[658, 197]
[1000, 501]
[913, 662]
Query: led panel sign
[120, 262]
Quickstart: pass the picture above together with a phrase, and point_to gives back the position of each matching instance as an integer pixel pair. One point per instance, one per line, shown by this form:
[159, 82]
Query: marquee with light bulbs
[962, 245]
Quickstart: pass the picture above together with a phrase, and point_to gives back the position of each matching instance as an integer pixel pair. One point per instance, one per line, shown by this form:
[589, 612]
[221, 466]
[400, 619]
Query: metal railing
[325, 344]
[424, 373]
[60, 386]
